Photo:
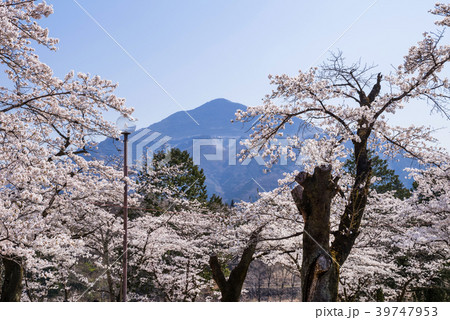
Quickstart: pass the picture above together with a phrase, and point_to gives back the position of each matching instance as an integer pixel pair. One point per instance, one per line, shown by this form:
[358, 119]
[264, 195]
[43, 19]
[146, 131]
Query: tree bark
[313, 196]
[13, 282]
[320, 272]
[231, 288]
[351, 219]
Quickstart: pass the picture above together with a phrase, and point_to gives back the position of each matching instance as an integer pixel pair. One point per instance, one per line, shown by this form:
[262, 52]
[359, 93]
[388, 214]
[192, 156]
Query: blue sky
[201, 50]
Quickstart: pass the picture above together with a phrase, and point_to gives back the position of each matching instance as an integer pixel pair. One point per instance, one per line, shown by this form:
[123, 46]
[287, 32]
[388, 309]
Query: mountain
[213, 142]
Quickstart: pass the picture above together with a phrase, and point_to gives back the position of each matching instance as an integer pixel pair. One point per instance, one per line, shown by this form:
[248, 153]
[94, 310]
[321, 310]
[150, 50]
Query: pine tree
[191, 181]
[387, 180]
[216, 203]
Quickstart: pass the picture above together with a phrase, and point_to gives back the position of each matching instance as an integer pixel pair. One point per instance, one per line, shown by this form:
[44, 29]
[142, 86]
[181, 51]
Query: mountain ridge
[214, 135]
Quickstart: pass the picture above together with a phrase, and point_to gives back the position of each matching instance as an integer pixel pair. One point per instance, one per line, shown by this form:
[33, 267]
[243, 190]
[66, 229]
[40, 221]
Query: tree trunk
[313, 196]
[231, 288]
[320, 272]
[109, 279]
[269, 278]
[401, 296]
[350, 221]
[12, 284]
[66, 295]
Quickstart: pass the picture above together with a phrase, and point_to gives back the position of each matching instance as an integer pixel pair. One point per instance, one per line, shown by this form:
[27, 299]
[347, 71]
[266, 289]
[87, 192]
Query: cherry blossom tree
[268, 229]
[403, 244]
[169, 255]
[350, 103]
[171, 235]
[46, 126]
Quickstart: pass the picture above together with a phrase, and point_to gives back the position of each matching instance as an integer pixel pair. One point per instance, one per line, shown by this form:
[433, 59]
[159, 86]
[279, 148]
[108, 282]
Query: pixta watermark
[144, 144]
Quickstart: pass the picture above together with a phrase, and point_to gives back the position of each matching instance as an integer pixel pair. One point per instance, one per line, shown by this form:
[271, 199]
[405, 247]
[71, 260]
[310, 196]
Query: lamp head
[126, 125]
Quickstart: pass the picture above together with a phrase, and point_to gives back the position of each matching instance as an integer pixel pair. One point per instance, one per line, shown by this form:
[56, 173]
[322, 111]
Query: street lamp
[126, 126]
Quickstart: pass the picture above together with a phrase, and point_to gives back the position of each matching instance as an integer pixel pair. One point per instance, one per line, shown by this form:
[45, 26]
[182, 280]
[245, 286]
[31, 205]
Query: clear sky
[199, 50]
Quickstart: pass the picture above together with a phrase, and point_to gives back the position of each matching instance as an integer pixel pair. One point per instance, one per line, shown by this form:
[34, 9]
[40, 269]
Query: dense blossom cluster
[404, 243]
[350, 104]
[50, 194]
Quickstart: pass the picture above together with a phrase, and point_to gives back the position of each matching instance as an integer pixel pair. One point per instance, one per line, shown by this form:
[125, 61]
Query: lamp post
[126, 126]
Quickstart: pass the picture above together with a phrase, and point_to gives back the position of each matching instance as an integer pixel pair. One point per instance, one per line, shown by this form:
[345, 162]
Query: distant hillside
[225, 176]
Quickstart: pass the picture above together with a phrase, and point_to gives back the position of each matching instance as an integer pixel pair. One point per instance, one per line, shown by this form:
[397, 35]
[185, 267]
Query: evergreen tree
[216, 203]
[163, 181]
[388, 180]
[190, 181]
[171, 171]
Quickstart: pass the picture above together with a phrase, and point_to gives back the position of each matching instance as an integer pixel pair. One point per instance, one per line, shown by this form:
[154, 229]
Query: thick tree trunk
[351, 219]
[13, 282]
[313, 196]
[231, 288]
[320, 272]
